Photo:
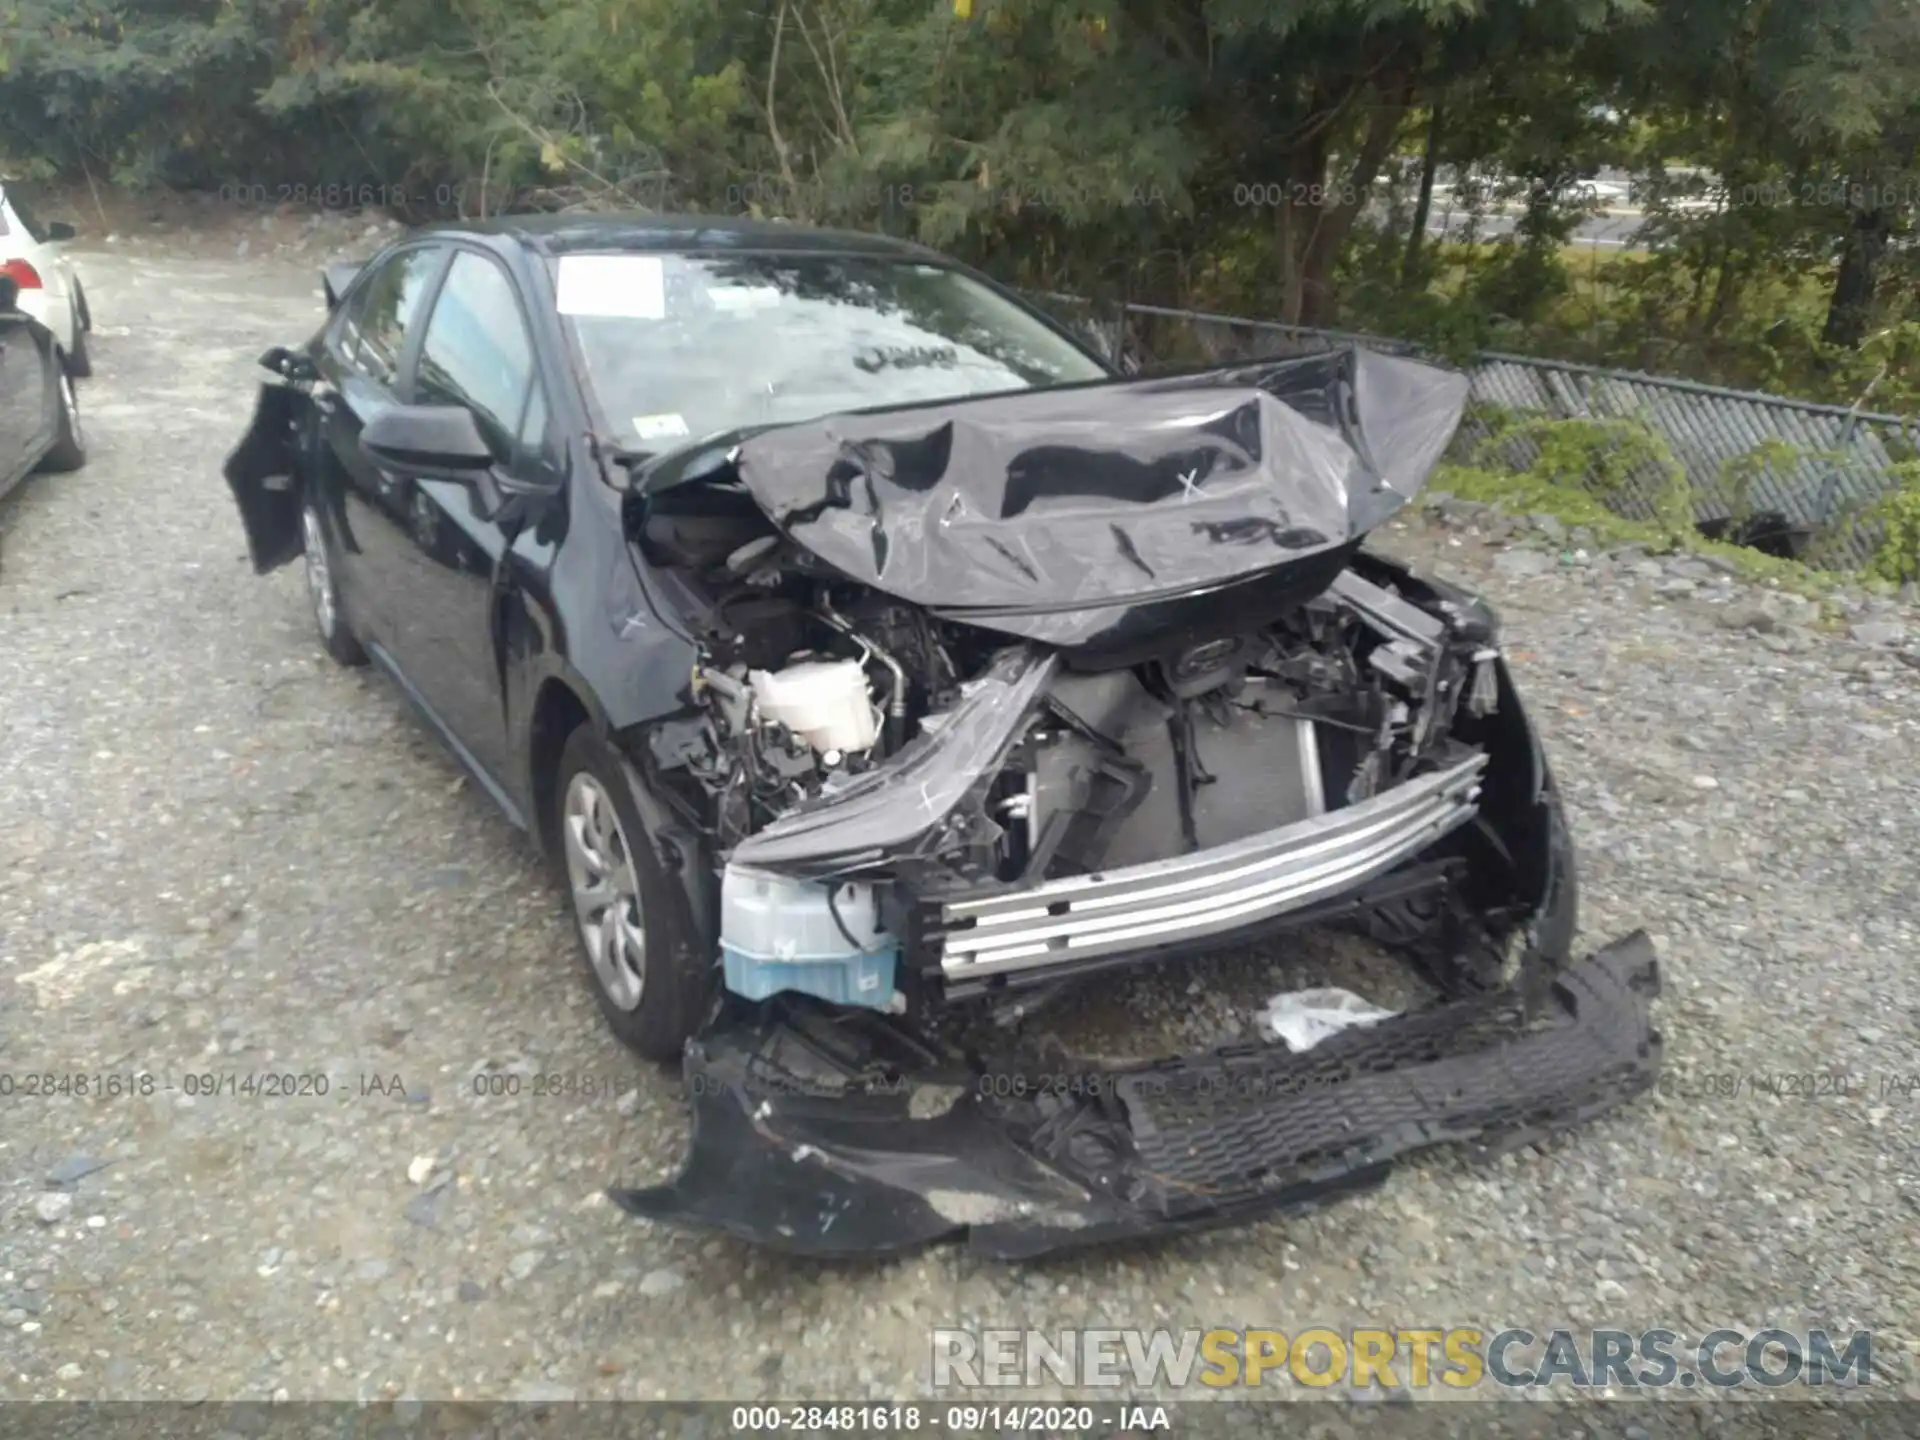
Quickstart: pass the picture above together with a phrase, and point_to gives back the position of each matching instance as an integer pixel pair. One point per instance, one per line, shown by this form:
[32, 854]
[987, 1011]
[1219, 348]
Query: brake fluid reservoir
[825, 702]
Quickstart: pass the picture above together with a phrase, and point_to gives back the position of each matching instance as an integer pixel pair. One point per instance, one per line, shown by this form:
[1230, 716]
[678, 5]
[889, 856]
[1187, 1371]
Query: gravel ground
[220, 854]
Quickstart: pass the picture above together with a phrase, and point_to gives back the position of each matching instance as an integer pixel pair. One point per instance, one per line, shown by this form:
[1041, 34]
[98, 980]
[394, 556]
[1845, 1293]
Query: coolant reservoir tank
[825, 702]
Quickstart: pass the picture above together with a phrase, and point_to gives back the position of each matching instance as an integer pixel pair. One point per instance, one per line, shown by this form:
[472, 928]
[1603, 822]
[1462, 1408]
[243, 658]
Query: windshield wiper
[630, 460]
[691, 459]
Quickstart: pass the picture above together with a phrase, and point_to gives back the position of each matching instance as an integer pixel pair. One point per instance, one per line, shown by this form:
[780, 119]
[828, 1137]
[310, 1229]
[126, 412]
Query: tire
[323, 591]
[1558, 919]
[655, 993]
[79, 362]
[69, 448]
[1443, 934]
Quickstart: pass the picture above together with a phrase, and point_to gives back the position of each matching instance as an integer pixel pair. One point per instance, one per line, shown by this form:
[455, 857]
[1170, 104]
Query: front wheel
[1444, 932]
[649, 978]
[79, 361]
[1551, 935]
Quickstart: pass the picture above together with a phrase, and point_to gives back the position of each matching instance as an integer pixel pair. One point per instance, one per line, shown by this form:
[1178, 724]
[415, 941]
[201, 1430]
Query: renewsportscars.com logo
[1455, 1357]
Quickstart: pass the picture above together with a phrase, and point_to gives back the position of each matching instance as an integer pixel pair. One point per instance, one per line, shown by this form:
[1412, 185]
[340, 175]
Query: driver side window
[478, 352]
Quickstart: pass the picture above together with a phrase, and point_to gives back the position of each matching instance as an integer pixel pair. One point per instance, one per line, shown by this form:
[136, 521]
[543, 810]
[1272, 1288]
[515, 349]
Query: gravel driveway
[221, 855]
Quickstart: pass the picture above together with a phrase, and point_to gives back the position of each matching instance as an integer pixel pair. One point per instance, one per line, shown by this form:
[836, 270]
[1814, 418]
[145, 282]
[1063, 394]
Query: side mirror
[439, 442]
[335, 279]
[59, 230]
[9, 294]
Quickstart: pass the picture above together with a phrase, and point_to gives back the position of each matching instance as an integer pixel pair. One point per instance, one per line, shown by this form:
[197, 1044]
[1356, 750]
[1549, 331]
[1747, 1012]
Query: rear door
[366, 507]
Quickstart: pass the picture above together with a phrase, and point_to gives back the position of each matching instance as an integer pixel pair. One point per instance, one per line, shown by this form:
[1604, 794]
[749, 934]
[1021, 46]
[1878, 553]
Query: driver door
[441, 565]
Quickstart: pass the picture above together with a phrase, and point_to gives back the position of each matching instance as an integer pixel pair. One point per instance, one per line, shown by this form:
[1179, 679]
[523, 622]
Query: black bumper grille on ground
[1261, 1119]
[841, 1135]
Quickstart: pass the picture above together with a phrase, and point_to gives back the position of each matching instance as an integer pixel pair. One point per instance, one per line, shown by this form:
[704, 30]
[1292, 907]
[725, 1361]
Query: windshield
[679, 347]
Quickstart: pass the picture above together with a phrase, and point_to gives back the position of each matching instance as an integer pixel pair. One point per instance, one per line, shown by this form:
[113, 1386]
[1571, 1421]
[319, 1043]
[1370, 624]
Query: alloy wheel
[326, 612]
[606, 895]
[70, 407]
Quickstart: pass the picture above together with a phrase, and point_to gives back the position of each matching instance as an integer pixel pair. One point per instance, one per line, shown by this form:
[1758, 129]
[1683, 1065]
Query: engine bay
[812, 689]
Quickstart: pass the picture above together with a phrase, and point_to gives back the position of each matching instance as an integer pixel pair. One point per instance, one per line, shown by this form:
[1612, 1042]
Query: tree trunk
[1283, 224]
[1696, 301]
[1295, 221]
[1535, 225]
[1423, 206]
[1713, 289]
[1726, 290]
[1333, 222]
[1854, 287]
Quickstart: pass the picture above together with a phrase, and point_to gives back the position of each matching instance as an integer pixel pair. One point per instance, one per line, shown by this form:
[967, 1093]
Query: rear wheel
[69, 448]
[79, 362]
[652, 984]
[323, 591]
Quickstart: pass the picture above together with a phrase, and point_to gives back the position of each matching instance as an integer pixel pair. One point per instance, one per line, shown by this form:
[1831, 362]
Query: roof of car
[558, 233]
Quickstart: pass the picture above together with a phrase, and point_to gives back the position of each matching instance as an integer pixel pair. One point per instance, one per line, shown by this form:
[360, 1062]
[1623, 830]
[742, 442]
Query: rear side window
[373, 330]
[478, 352]
[21, 217]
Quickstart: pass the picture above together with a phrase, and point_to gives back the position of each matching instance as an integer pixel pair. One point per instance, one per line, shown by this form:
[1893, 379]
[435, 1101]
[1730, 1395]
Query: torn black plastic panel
[1044, 513]
[825, 1135]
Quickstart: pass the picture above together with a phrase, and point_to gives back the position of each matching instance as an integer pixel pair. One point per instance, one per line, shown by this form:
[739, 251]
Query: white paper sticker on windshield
[666, 426]
[627, 287]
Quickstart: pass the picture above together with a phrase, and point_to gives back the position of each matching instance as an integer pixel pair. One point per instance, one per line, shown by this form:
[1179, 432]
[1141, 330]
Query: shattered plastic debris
[1301, 1019]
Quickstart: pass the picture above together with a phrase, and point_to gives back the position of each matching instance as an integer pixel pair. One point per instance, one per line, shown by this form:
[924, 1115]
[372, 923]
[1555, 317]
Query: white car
[49, 289]
[1608, 194]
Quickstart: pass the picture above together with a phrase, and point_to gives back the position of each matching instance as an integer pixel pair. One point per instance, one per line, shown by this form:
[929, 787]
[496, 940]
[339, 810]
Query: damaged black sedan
[875, 664]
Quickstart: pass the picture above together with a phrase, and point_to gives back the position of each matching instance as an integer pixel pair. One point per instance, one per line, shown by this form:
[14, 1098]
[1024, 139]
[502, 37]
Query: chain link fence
[1790, 475]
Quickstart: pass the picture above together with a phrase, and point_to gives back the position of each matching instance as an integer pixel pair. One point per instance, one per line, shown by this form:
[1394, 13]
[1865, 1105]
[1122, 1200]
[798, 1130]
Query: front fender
[678, 848]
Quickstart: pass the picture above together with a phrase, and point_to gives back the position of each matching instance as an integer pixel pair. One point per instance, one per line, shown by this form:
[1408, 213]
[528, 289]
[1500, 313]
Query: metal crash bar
[1210, 891]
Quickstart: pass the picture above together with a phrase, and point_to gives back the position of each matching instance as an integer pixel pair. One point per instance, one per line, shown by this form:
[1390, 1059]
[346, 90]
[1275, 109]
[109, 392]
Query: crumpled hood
[1057, 507]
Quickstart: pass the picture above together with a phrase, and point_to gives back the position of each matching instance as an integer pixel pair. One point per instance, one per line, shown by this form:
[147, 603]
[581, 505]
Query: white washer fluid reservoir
[825, 702]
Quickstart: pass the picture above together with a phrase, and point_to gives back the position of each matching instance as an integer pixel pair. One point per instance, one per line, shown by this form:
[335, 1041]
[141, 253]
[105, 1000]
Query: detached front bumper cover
[834, 1138]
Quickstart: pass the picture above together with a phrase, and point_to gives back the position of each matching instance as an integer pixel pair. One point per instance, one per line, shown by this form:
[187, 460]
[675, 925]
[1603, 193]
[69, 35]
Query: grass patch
[1583, 471]
[1897, 560]
[1521, 495]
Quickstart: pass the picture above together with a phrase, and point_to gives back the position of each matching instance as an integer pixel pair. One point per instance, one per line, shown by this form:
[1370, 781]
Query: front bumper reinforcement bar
[838, 1136]
[1209, 892]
